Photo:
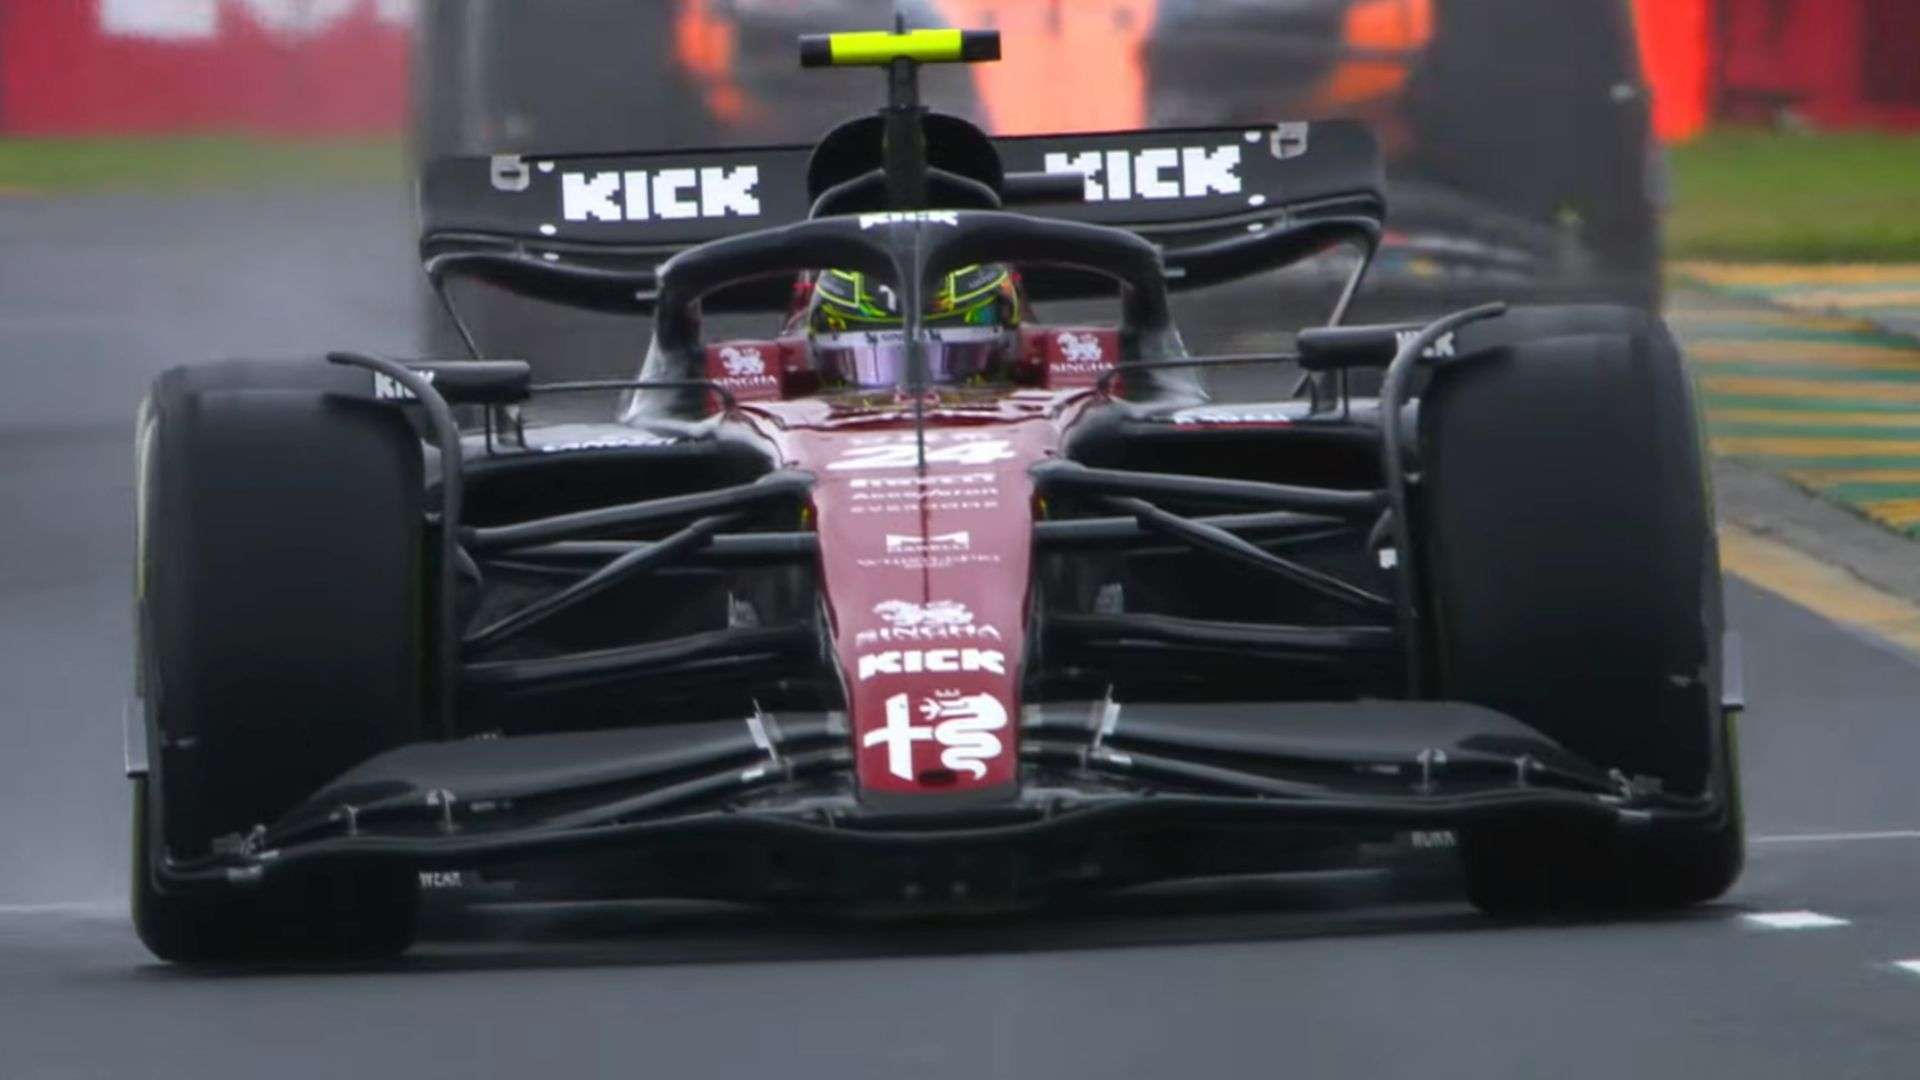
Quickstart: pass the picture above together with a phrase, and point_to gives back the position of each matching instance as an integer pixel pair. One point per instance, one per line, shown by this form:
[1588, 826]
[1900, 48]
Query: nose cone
[926, 572]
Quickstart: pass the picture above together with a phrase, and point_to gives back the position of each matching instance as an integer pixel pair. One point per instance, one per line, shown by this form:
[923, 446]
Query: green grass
[1763, 195]
[176, 164]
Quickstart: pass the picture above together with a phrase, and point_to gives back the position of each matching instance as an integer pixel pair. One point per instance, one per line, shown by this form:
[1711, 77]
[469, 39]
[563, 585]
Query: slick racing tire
[1573, 581]
[281, 640]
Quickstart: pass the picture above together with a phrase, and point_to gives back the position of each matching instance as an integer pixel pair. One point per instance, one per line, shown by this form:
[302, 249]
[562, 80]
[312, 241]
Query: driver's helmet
[969, 330]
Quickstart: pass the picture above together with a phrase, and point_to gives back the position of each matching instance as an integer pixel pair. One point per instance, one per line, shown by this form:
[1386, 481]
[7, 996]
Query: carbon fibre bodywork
[758, 636]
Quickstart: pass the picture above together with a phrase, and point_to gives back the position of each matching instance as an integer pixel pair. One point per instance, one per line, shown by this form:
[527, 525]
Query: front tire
[280, 606]
[1574, 584]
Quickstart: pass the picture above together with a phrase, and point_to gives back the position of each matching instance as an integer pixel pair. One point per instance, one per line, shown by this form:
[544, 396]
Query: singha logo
[743, 363]
[1081, 349]
[906, 615]
[936, 620]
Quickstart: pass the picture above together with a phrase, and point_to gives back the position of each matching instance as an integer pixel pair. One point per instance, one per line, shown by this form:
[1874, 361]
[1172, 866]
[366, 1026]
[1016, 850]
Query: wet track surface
[1365, 974]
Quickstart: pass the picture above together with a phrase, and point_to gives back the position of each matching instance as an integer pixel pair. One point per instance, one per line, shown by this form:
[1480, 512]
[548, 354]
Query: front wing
[762, 808]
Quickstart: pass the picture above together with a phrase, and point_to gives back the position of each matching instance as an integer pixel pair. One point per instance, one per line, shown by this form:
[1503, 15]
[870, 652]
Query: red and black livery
[1084, 626]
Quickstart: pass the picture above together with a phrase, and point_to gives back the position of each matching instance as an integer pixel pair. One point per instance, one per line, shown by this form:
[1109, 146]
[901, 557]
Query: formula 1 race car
[915, 601]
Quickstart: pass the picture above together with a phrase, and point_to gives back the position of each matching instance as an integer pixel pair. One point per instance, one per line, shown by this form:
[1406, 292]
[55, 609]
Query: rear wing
[589, 229]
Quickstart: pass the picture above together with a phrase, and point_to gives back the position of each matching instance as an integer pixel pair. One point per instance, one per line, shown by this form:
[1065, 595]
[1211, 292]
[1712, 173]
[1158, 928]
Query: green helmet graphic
[968, 330]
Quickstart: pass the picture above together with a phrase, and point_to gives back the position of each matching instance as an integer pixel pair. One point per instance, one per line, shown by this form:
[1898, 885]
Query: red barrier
[340, 67]
[277, 67]
[1831, 63]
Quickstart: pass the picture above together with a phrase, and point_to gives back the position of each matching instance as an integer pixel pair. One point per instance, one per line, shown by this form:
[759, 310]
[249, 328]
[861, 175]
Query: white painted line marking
[1793, 920]
[1911, 967]
[1836, 837]
[72, 907]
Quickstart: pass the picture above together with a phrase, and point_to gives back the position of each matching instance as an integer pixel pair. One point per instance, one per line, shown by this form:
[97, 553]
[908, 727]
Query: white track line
[1792, 920]
[68, 908]
[1911, 967]
[1836, 837]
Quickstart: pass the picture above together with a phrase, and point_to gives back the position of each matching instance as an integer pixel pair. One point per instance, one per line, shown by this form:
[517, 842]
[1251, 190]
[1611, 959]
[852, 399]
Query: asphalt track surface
[1375, 974]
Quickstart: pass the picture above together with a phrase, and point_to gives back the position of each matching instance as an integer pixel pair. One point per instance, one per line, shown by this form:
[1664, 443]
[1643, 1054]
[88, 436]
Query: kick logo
[1192, 172]
[933, 661]
[668, 194]
[1443, 347]
[388, 388]
[963, 725]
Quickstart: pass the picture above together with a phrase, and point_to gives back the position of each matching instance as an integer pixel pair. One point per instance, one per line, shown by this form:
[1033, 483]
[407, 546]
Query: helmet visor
[878, 359]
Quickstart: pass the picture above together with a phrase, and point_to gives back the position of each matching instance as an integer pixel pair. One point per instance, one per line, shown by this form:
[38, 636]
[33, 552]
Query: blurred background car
[1522, 149]
[1522, 157]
